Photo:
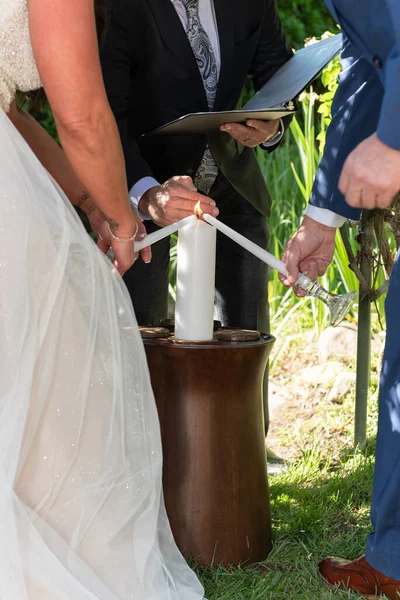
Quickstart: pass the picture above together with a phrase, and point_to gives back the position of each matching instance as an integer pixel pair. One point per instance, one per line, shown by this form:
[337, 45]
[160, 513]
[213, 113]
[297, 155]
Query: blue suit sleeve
[388, 127]
[355, 115]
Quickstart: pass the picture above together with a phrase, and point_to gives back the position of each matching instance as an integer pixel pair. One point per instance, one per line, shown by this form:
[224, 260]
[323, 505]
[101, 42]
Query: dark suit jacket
[152, 77]
[368, 96]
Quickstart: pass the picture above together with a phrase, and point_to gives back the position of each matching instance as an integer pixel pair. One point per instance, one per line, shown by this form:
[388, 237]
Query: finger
[117, 267]
[103, 245]
[140, 236]
[344, 180]
[123, 266]
[310, 268]
[146, 255]
[291, 259]
[354, 197]
[181, 191]
[236, 130]
[124, 256]
[243, 138]
[178, 215]
[265, 128]
[368, 198]
[258, 125]
[384, 200]
[187, 207]
[322, 267]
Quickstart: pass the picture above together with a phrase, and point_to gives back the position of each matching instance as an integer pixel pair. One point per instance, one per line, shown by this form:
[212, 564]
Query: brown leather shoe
[359, 576]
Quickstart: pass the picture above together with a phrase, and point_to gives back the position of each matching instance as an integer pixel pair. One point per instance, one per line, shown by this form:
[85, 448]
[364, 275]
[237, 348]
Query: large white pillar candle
[195, 283]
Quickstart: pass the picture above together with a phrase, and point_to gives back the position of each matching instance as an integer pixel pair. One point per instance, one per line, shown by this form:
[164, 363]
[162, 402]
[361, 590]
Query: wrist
[86, 203]
[310, 223]
[144, 202]
[275, 133]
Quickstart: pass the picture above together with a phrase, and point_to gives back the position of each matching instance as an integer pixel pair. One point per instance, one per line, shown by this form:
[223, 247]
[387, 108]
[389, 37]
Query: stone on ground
[343, 384]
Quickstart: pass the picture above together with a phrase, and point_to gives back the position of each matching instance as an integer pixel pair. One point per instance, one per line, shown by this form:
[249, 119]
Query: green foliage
[304, 19]
[42, 114]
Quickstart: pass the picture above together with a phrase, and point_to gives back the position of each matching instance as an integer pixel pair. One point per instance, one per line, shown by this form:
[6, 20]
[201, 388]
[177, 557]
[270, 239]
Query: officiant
[161, 60]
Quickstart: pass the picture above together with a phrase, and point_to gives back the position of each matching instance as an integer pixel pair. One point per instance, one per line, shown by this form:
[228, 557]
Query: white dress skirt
[82, 515]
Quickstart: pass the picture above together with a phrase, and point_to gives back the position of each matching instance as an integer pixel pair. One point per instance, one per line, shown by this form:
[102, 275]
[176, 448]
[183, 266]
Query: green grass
[320, 506]
[317, 511]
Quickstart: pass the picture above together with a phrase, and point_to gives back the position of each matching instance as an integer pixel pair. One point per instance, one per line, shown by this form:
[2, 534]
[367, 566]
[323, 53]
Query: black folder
[275, 99]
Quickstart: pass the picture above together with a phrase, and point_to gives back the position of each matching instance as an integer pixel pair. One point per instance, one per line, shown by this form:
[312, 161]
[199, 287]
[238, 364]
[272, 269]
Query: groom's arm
[355, 116]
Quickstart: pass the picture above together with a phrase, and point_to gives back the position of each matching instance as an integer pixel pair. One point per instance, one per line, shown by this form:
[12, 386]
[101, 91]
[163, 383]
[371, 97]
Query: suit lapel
[224, 17]
[174, 36]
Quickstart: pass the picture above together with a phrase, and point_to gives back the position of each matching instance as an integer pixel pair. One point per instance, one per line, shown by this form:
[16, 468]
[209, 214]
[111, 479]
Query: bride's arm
[65, 46]
[52, 158]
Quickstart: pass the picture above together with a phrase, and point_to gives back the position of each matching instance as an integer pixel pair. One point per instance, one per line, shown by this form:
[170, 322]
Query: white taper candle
[195, 282]
[152, 238]
[262, 254]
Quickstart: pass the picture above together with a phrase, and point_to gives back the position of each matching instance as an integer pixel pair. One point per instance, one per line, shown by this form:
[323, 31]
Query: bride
[81, 509]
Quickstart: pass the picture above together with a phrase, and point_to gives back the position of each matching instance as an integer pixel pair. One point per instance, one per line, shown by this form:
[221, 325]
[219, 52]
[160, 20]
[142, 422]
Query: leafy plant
[304, 19]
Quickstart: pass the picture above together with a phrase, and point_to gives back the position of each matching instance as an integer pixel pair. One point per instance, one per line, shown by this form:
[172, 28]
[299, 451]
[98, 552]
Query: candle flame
[197, 210]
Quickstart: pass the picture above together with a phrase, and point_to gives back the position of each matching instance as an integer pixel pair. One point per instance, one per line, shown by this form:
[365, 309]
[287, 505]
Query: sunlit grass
[318, 509]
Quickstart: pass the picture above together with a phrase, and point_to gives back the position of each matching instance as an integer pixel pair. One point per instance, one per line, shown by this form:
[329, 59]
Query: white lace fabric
[17, 64]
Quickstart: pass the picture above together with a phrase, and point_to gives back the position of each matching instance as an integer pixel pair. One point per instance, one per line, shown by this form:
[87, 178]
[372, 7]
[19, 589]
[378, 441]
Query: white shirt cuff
[137, 191]
[277, 137]
[325, 216]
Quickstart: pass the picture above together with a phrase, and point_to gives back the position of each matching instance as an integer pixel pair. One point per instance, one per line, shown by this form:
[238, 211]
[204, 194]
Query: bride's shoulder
[17, 64]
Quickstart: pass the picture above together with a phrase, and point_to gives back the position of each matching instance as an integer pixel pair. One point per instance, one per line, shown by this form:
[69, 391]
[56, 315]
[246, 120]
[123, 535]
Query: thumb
[187, 182]
[146, 254]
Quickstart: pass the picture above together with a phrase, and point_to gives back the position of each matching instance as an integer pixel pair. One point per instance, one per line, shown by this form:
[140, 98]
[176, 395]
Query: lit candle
[152, 238]
[195, 283]
[262, 254]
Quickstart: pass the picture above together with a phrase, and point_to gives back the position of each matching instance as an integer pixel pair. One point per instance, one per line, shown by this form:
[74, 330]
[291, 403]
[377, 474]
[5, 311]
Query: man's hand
[253, 133]
[309, 251]
[174, 200]
[371, 175]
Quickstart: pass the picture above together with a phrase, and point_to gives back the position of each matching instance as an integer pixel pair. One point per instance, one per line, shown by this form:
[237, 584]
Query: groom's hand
[309, 251]
[174, 200]
[371, 175]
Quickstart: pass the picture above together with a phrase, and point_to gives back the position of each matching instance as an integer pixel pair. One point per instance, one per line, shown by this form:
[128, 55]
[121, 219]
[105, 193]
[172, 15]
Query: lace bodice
[17, 65]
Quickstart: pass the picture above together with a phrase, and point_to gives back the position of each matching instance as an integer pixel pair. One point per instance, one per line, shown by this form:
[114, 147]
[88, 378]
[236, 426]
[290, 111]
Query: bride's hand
[124, 253]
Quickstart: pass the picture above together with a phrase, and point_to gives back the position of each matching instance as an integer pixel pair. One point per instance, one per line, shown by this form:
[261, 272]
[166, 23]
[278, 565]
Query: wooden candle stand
[215, 482]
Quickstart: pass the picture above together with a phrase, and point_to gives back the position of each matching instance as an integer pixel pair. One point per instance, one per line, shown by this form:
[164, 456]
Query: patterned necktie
[204, 54]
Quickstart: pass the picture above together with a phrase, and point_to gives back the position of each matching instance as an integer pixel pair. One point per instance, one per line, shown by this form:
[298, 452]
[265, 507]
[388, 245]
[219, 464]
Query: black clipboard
[275, 99]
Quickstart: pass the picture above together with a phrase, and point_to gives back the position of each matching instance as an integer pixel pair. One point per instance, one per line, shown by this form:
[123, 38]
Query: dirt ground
[301, 411]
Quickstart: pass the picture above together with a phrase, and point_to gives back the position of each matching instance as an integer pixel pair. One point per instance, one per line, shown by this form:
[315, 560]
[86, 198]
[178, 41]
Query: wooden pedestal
[215, 474]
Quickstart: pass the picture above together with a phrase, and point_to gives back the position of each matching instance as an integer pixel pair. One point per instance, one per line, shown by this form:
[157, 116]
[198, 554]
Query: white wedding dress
[81, 509]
